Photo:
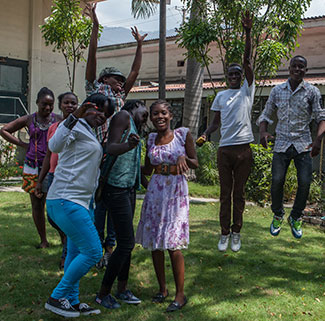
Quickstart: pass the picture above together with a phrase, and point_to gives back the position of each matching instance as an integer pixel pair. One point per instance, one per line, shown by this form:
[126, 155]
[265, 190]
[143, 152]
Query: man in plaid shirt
[296, 103]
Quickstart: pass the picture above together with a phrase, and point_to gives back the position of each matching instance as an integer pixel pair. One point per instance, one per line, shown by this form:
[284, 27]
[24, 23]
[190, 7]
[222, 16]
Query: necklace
[43, 126]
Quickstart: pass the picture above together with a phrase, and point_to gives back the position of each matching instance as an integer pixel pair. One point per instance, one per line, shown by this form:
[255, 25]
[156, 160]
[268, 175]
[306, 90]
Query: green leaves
[276, 25]
[144, 8]
[68, 31]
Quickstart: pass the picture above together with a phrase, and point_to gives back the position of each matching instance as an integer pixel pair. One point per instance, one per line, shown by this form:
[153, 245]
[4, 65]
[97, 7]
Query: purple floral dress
[164, 222]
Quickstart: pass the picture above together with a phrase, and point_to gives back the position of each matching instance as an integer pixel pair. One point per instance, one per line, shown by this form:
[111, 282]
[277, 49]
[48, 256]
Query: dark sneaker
[127, 297]
[295, 227]
[85, 309]
[108, 302]
[61, 307]
[275, 227]
[175, 306]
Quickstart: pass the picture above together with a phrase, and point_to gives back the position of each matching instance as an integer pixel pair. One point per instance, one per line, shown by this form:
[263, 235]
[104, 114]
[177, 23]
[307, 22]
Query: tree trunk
[193, 96]
[162, 50]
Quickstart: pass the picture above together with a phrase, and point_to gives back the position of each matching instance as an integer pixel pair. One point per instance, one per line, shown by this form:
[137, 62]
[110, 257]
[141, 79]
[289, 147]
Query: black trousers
[120, 203]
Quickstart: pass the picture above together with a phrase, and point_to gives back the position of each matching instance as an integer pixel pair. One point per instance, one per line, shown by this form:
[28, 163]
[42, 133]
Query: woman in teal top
[119, 198]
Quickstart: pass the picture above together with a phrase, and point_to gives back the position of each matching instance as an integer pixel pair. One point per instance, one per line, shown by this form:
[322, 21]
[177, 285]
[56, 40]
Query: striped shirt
[295, 111]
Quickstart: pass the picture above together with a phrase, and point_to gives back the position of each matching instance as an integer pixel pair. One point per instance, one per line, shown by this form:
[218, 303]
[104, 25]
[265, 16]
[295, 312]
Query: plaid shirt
[117, 99]
[295, 111]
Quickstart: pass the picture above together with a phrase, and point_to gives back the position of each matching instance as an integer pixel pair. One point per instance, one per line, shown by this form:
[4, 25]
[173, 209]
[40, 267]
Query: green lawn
[269, 279]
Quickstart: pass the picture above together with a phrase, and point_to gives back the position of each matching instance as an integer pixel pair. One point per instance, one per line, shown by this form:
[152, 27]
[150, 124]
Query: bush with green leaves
[207, 172]
[8, 164]
[259, 181]
[258, 187]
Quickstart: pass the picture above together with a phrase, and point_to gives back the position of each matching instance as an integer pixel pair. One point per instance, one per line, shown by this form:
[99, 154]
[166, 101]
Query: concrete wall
[21, 38]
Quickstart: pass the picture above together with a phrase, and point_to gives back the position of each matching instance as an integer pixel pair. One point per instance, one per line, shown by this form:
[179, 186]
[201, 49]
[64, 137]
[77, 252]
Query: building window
[180, 63]
[10, 78]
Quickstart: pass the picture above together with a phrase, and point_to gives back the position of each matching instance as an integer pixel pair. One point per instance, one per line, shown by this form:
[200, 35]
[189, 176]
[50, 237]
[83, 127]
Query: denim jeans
[100, 217]
[120, 203]
[280, 164]
[84, 247]
[50, 177]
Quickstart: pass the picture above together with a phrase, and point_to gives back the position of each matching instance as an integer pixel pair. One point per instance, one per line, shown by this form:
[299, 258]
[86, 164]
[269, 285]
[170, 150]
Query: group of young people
[102, 138]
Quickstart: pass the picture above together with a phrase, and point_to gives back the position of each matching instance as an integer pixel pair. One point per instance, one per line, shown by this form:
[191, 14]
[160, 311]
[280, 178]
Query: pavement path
[193, 200]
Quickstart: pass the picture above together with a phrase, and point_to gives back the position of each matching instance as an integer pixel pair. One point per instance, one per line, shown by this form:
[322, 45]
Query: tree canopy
[68, 31]
[276, 26]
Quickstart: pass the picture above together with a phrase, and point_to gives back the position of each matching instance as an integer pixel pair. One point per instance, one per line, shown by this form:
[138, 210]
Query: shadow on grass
[264, 267]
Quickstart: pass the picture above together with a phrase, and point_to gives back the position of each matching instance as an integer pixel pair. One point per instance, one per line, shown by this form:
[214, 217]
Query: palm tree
[144, 9]
[193, 87]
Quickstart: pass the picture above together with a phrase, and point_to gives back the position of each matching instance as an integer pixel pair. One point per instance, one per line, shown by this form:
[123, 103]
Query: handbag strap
[114, 158]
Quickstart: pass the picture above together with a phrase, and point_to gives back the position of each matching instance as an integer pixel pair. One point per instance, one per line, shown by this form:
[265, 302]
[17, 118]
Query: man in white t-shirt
[233, 111]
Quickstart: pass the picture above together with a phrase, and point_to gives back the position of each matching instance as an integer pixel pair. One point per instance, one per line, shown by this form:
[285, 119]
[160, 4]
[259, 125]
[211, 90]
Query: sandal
[174, 306]
[159, 297]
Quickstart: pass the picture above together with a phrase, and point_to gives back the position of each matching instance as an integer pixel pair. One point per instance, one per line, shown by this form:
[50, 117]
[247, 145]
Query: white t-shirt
[77, 172]
[235, 106]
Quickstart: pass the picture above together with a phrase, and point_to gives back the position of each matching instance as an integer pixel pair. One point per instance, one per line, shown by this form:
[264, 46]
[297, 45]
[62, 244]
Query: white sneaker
[235, 241]
[223, 243]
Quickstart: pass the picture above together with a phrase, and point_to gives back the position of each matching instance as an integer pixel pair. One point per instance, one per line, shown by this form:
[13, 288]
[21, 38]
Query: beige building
[312, 46]
[26, 64]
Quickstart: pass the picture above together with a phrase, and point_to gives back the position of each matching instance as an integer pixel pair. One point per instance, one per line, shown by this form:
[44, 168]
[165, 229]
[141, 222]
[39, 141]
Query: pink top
[54, 157]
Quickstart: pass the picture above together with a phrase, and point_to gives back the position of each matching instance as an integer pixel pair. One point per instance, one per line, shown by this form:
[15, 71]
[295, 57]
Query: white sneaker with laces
[223, 243]
[235, 242]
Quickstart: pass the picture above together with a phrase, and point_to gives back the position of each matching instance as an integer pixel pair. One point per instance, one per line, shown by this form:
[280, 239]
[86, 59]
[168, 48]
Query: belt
[165, 169]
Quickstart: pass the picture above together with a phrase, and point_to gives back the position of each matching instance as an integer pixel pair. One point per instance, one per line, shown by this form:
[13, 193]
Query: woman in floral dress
[164, 222]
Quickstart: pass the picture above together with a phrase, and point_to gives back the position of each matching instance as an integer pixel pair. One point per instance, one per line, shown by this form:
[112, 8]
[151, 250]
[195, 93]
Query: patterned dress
[164, 222]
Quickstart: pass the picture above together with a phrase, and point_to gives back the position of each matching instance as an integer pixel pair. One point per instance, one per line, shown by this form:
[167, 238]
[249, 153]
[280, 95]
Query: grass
[269, 279]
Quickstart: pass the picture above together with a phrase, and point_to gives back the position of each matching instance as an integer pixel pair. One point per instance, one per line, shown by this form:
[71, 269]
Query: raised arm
[247, 22]
[91, 61]
[137, 61]
[7, 131]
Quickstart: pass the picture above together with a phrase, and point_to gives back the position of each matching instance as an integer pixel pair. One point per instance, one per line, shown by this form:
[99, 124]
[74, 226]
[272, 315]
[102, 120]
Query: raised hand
[82, 111]
[247, 20]
[137, 36]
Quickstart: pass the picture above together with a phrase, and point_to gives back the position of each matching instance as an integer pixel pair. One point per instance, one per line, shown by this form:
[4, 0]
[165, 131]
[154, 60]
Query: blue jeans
[84, 247]
[50, 178]
[100, 216]
[280, 164]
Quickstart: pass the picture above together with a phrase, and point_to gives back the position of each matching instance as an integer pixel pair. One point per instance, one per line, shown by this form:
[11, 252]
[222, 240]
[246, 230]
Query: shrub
[7, 160]
[258, 185]
[207, 172]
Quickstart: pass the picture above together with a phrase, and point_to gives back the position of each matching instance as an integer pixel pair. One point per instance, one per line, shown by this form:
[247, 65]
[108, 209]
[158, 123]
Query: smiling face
[115, 81]
[234, 77]
[95, 117]
[160, 117]
[68, 105]
[45, 105]
[297, 68]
